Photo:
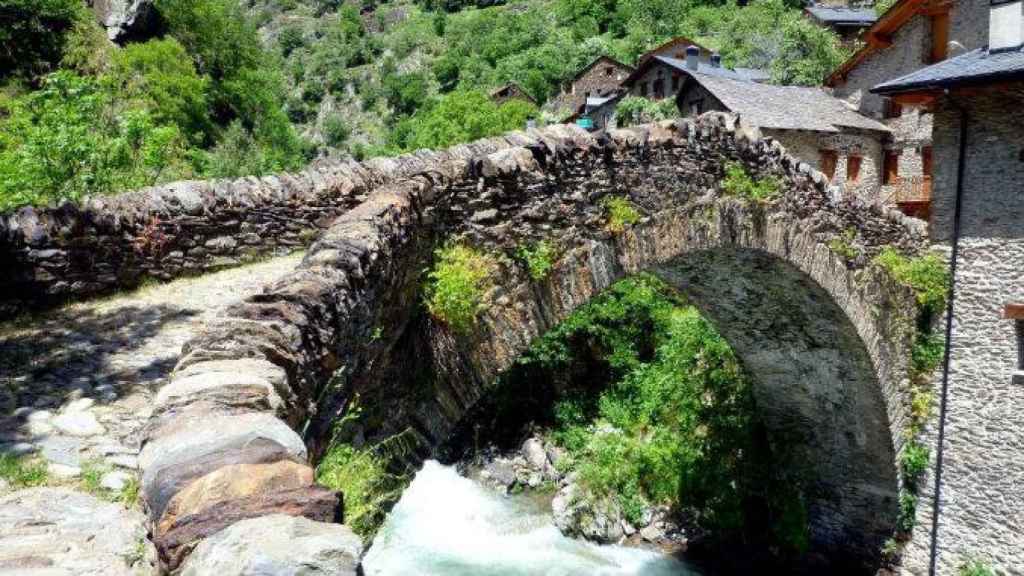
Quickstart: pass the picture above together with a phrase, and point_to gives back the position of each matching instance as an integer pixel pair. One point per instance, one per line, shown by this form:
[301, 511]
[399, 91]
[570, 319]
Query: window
[697, 106]
[940, 37]
[1020, 344]
[675, 82]
[643, 88]
[926, 160]
[659, 88]
[828, 163]
[608, 71]
[853, 169]
[890, 166]
[893, 109]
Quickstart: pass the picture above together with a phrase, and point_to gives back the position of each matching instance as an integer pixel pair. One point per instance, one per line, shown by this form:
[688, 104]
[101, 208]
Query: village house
[976, 101]
[511, 91]
[911, 35]
[813, 126]
[601, 78]
[658, 76]
[848, 22]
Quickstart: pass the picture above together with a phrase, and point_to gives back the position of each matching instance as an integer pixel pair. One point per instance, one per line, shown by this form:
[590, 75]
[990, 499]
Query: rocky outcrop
[277, 545]
[60, 531]
[127, 20]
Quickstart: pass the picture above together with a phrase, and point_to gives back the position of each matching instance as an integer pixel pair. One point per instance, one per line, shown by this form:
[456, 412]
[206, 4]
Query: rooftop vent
[692, 57]
[716, 59]
[1005, 24]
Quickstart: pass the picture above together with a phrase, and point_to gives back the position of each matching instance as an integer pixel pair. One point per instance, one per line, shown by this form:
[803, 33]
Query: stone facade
[660, 81]
[252, 377]
[981, 498]
[910, 50]
[603, 77]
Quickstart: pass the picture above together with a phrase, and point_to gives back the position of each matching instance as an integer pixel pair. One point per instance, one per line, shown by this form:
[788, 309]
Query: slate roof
[785, 107]
[975, 67]
[843, 16]
[742, 74]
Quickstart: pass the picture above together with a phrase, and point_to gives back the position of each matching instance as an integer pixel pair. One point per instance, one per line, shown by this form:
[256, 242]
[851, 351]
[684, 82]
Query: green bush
[368, 488]
[927, 275]
[915, 461]
[633, 110]
[336, 131]
[457, 285]
[976, 567]
[33, 34]
[463, 117]
[738, 183]
[20, 472]
[908, 510]
[538, 258]
[621, 213]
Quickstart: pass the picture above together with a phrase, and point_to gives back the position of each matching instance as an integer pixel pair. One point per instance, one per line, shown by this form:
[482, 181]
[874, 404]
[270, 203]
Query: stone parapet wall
[223, 444]
[72, 251]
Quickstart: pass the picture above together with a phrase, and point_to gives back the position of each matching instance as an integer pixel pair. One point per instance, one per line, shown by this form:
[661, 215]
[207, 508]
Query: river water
[448, 525]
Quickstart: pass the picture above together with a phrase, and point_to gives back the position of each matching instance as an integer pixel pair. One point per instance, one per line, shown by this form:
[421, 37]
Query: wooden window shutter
[926, 160]
[828, 163]
[891, 167]
[940, 37]
[853, 168]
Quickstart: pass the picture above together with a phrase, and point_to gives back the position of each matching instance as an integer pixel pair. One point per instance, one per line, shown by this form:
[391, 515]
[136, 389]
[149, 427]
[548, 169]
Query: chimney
[693, 56]
[1005, 24]
[716, 60]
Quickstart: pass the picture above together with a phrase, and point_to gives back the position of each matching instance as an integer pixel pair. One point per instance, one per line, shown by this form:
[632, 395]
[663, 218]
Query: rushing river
[449, 525]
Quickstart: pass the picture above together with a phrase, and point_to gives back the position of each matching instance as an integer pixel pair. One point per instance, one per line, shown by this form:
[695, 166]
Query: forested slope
[235, 87]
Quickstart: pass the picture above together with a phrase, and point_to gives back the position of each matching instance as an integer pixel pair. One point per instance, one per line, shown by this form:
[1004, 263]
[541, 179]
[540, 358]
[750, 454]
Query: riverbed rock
[277, 545]
[60, 531]
[580, 515]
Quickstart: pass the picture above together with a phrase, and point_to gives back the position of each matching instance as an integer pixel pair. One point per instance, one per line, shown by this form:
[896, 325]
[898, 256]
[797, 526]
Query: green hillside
[221, 88]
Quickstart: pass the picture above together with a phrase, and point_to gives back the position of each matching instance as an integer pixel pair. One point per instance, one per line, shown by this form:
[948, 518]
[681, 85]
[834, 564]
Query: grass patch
[457, 285]
[539, 259]
[908, 511]
[975, 567]
[843, 245]
[129, 494]
[926, 275]
[914, 461]
[22, 472]
[738, 183]
[92, 476]
[621, 213]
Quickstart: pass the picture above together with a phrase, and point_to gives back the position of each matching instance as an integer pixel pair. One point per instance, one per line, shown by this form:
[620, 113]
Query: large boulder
[580, 514]
[277, 545]
[60, 531]
[127, 19]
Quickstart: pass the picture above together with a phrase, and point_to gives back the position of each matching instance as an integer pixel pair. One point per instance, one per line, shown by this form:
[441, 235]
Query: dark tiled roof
[785, 107]
[975, 67]
[744, 74]
[848, 16]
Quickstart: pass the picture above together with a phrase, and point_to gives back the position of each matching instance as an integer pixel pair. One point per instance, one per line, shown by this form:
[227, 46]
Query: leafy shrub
[633, 110]
[539, 259]
[844, 244]
[33, 34]
[464, 117]
[336, 131]
[291, 39]
[975, 567]
[457, 285]
[621, 213]
[915, 461]
[361, 475]
[738, 183]
[908, 510]
[927, 275]
[927, 353]
[20, 472]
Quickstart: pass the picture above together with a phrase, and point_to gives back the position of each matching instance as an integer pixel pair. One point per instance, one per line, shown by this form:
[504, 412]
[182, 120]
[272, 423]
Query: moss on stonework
[738, 183]
[621, 213]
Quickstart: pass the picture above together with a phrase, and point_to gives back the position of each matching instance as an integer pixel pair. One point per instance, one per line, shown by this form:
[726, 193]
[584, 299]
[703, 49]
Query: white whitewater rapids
[449, 525]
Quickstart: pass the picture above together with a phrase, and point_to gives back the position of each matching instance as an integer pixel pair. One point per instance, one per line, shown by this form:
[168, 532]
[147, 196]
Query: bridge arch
[825, 338]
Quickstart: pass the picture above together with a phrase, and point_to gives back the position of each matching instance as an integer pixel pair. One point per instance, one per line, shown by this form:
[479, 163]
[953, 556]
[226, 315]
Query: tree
[160, 74]
[33, 34]
[465, 116]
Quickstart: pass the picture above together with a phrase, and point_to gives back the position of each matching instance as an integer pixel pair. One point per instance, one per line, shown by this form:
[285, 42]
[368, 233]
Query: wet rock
[65, 532]
[579, 514]
[536, 456]
[277, 545]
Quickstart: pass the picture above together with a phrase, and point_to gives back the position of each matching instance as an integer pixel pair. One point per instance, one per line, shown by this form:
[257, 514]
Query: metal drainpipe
[951, 293]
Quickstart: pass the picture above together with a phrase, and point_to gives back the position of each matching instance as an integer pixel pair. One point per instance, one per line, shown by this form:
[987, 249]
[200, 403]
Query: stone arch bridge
[825, 338]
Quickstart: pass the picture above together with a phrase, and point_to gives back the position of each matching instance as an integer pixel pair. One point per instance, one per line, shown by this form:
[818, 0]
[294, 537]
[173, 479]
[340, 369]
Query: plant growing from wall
[457, 285]
[539, 258]
[21, 472]
[843, 245]
[739, 183]
[975, 567]
[621, 213]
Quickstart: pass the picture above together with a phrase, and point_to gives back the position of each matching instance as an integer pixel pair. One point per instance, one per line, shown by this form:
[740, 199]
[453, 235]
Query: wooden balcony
[913, 196]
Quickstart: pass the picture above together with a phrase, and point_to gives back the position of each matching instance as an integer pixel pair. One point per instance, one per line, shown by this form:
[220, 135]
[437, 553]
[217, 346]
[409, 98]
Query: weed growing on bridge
[538, 258]
[621, 213]
[22, 472]
[975, 567]
[738, 183]
[844, 245]
[457, 285]
[926, 275]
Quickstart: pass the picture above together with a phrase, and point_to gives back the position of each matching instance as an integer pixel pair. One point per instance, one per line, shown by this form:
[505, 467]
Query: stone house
[847, 22]
[676, 48]
[601, 78]
[511, 91]
[976, 101]
[911, 35]
[658, 76]
[813, 126]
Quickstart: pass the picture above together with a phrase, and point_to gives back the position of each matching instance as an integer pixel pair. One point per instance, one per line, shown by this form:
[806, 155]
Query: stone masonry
[222, 447]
